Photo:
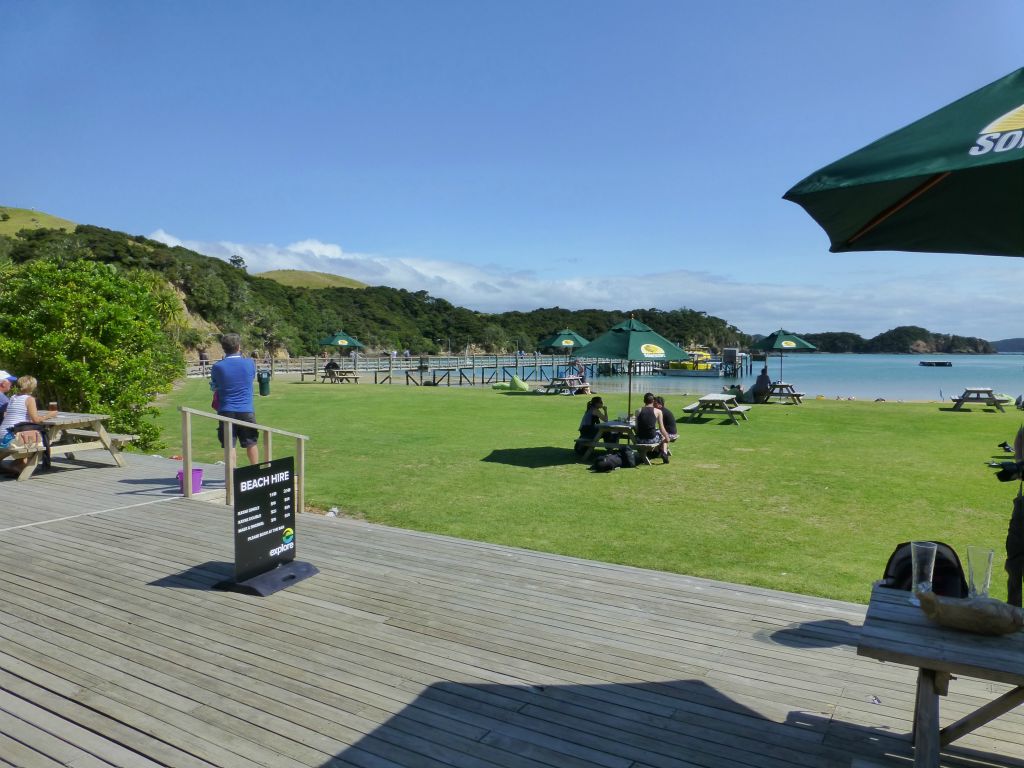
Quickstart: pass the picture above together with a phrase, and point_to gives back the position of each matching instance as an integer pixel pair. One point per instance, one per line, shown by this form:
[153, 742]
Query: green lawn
[809, 499]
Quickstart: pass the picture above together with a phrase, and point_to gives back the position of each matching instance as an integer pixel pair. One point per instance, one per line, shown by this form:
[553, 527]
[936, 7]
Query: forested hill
[219, 296]
[901, 340]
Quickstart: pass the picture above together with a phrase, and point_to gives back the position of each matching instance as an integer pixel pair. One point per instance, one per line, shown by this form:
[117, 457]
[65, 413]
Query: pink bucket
[197, 480]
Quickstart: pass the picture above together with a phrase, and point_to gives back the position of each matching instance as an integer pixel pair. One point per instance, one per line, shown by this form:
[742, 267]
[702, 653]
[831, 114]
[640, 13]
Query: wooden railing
[229, 470]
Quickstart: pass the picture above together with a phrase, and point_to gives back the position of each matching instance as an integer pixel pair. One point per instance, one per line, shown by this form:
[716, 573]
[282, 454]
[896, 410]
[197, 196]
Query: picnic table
[568, 385]
[336, 376]
[896, 631]
[784, 393]
[979, 396]
[68, 434]
[717, 402]
[626, 432]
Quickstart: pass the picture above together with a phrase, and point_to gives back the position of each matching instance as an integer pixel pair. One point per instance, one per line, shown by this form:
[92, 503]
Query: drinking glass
[922, 555]
[979, 570]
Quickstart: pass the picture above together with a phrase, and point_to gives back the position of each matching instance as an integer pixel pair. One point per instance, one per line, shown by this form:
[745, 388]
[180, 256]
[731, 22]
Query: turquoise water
[863, 377]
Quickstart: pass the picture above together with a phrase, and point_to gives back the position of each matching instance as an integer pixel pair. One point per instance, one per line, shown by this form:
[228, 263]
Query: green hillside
[13, 220]
[296, 278]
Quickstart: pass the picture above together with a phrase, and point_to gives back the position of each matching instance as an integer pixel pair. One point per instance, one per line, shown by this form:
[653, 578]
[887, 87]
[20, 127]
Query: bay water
[860, 377]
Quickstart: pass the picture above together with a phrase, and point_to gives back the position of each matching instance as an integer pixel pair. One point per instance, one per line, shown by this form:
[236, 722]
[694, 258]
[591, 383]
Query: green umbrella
[783, 341]
[952, 182]
[339, 340]
[634, 342]
[564, 341]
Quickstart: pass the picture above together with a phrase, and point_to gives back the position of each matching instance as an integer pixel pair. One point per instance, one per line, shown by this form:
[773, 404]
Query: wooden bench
[311, 374]
[692, 408]
[32, 452]
[117, 440]
[741, 410]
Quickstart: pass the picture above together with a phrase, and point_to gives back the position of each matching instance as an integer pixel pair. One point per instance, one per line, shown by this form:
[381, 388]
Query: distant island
[1009, 345]
[906, 339]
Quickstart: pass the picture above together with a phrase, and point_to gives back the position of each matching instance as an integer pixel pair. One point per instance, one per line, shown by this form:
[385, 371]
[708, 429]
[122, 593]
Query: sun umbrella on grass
[783, 341]
[634, 342]
[564, 341]
[952, 182]
[341, 340]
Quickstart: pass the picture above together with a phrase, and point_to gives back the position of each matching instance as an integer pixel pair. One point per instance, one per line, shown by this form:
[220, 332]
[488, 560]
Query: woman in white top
[20, 419]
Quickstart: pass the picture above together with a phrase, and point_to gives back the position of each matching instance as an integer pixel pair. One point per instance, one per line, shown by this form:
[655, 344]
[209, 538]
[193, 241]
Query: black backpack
[608, 462]
[948, 578]
[629, 456]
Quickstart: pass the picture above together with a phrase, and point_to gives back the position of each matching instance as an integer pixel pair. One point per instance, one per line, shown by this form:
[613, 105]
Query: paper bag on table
[981, 615]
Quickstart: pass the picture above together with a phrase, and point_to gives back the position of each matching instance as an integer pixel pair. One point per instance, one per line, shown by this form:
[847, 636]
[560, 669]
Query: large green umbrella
[339, 340]
[783, 341]
[564, 341]
[634, 342]
[952, 182]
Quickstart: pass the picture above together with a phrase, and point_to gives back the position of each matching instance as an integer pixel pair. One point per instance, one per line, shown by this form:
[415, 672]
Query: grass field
[23, 218]
[809, 499]
[297, 278]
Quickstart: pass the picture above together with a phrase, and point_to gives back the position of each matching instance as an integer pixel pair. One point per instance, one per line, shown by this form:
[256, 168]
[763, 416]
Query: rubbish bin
[264, 379]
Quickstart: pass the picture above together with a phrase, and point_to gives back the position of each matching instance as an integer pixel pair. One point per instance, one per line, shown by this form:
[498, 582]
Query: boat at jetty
[701, 363]
[936, 363]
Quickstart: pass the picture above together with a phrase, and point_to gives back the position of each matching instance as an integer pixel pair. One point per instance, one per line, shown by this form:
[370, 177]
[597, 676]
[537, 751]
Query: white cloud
[982, 302]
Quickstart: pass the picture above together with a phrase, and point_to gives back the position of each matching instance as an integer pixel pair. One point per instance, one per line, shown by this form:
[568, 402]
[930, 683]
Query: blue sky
[507, 155]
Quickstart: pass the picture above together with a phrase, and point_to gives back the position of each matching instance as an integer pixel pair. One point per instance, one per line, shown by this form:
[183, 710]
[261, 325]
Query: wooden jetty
[411, 650]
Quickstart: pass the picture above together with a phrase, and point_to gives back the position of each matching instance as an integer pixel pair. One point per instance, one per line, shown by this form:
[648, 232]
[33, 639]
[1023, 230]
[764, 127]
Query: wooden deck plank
[411, 649]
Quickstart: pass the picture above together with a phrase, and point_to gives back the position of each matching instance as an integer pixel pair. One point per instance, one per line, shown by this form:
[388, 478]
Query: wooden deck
[414, 650]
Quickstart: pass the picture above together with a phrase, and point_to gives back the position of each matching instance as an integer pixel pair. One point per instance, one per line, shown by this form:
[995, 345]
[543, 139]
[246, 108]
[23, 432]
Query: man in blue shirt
[232, 380]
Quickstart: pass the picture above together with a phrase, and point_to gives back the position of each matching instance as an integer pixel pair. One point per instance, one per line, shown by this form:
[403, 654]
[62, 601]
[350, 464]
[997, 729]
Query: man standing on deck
[232, 379]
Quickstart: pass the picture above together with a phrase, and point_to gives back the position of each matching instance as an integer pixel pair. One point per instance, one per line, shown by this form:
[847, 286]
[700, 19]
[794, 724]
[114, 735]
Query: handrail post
[267, 445]
[229, 465]
[300, 472]
[186, 454]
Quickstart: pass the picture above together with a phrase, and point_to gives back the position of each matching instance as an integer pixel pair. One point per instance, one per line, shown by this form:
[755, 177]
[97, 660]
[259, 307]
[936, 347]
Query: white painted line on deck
[86, 514]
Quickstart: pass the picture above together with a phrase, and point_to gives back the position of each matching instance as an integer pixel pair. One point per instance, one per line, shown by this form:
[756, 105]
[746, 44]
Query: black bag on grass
[629, 456]
[948, 578]
[608, 462]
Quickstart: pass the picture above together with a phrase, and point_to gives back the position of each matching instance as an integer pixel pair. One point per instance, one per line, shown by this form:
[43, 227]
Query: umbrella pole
[629, 391]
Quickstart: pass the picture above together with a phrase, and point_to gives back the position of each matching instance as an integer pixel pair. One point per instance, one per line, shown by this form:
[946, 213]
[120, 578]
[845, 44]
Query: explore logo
[288, 543]
[1002, 134]
[787, 344]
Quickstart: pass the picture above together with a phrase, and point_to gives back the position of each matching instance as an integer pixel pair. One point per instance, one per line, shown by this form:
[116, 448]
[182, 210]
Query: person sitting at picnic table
[671, 431]
[650, 427]
[6, 381]
[21, 421]
[594, 415]
[762, 386]
[332, 365]
[580, 370]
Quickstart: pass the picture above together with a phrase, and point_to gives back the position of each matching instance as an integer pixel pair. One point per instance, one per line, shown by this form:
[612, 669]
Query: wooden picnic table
[569, 385]
[717, 402]
[71, 433]
[784, 393]
[896, 631]
[335, 376]
[979, 396]
[627, 434]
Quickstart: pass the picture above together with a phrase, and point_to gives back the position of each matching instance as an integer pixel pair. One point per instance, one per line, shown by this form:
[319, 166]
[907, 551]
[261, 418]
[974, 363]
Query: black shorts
[247, 436]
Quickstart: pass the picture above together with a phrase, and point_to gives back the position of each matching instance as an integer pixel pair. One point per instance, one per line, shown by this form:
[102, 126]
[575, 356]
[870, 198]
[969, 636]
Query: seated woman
[650, 427]
[21, 420]
[594, 415]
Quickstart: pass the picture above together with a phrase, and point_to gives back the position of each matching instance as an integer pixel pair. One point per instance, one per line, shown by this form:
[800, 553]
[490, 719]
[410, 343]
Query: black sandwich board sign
[264, 528]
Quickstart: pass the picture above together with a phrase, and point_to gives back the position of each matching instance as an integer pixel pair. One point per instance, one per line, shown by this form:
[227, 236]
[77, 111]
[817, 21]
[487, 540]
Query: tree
[91, 333]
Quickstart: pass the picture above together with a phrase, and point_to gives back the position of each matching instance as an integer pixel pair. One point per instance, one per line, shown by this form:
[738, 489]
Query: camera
[1009, 470]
